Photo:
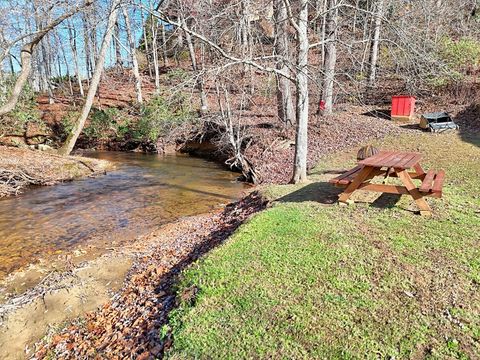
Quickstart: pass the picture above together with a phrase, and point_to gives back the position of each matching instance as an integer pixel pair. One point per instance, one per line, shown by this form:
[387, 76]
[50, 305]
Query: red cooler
[403, 107]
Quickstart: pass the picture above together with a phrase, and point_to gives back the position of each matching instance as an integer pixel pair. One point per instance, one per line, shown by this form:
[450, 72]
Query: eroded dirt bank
[21, 167]
[118, 320]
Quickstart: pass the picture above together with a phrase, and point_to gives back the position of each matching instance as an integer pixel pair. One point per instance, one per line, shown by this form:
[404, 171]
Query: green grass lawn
[310, 279]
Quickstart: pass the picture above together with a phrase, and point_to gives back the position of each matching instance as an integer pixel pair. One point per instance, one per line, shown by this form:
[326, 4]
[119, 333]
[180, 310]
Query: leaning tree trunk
[26, 59]
[301, 139]
[375, 43]
[78, 127]
[133, 54]
[285, 110]
[330, 56]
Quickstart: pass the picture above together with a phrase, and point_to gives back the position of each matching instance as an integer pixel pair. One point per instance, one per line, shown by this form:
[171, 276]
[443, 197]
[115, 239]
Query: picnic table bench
[393, 164]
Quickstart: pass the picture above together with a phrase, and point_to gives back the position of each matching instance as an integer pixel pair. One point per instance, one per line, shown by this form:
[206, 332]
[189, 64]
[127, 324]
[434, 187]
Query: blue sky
[14, 23]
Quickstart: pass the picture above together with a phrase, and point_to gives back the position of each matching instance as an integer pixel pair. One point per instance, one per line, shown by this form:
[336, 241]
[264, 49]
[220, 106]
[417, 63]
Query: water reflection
[145, 191]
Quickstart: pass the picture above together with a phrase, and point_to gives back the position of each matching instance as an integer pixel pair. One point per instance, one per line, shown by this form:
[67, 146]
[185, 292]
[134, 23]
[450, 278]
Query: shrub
[158, 117]
[462, 54]
[25, 111]
[103, 124]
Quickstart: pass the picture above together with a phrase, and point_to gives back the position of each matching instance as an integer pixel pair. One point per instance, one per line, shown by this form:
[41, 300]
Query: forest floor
[22, 167]
[304, 277]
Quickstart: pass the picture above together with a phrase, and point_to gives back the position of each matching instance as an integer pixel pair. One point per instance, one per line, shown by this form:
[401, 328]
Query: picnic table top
[393, 159]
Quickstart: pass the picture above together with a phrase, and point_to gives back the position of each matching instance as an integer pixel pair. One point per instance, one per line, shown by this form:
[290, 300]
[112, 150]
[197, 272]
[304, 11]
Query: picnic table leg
[359, 179]
[414, 192]
[419, 170]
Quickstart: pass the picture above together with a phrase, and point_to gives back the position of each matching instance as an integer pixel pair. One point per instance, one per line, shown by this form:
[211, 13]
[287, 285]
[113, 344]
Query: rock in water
[366, 152]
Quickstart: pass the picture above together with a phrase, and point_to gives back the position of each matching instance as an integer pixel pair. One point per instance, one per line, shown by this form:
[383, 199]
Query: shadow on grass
[327, 194]
[321, 192]
[385, 201]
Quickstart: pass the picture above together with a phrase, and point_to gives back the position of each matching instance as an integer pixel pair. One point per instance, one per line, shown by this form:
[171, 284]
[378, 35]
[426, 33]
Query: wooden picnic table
[393, 164]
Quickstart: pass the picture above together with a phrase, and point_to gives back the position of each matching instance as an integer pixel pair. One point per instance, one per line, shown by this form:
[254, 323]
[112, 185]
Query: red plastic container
[403, 107]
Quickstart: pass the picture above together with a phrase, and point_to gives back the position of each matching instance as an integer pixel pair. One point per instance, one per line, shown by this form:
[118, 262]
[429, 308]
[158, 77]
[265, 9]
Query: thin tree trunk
[285, 109]
[118, 51]
[375, 43]
[26, 59]
[164, 46]
[330, 56]
[301, 139]
[72, 138]
[133, 55]
[86, 44]
[154, 52]
[145, 41]
[198, 75]
[73, 46]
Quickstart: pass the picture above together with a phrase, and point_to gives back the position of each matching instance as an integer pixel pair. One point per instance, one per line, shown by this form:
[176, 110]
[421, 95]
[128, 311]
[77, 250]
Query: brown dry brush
[12, 181]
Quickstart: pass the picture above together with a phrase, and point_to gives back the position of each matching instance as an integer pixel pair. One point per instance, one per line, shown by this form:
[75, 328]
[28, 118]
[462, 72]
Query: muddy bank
[22, 167]
[58, 298]
[129, 324]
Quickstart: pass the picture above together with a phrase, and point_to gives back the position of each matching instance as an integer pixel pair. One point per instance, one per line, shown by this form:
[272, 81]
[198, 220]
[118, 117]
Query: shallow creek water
[145, 191]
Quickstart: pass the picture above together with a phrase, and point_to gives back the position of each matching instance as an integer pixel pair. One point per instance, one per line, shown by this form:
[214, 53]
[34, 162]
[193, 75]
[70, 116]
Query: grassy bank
[308, 278]
[21, 167]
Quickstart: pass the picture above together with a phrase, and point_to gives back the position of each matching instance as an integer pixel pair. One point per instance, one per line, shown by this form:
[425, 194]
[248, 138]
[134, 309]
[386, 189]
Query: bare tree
[26, 57]
[301, 137]
[73, 46]
[330, 55]
[78, 127]
[133, 55]
[198, 74]
[375, 42]
[284, 91]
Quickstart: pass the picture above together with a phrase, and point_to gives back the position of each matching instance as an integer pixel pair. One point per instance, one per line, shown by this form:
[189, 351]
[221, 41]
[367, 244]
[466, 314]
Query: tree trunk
[198, 75]
[301, 139]
[164, 46]
[73, 46]
[330, 56]
[133, 54]
[375, 43]
[285, 110]
[26, 59]
[118, 51]
[78, 127]
[153, 28]
[86, 45]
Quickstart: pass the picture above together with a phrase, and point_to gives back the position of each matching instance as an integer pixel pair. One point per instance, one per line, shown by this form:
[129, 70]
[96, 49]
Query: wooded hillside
[150, 74]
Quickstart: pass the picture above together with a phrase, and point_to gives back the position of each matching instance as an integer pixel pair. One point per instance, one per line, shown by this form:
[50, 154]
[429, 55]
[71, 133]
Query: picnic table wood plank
[438, 182]
[412, 161]
[427, 181]
[414, 192]
[340, 179]
[360, 178]
[399, 158]
[372, 160]
[406, 159]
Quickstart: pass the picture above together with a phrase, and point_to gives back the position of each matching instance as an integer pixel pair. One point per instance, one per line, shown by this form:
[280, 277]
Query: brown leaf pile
[272, 154]
[129, 325]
